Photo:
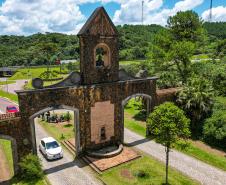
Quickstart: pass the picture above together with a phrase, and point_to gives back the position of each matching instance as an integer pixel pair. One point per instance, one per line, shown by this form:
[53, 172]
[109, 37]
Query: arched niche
[102, 56]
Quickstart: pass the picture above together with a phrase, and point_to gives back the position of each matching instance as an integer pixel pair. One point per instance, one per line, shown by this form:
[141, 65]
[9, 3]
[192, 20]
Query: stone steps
[93, 166]
[69, 146]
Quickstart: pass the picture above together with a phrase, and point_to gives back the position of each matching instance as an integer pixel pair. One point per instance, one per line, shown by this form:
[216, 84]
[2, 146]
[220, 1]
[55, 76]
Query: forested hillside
[39, 49]
[216, 29]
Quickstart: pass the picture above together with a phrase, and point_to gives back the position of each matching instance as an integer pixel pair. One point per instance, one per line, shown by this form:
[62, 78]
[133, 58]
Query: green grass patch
[29, 73]
[133, 107]
[7, 149]
[200, 57]
[46, 83]
[205, 156]
[10, 96]
[56, 130]
[135, 127]
[7, 82]
[153, 170]
[17, 181]
[129, 62]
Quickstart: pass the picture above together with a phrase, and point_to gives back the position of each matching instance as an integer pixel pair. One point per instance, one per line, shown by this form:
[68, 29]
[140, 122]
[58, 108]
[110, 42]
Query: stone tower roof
[99, 23]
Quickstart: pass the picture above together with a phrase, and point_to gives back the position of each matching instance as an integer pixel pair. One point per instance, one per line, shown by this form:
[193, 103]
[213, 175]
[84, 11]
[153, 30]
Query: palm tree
[196, 98]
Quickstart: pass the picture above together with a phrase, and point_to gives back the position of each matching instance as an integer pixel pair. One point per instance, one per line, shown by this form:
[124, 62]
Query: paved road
[192, 167]
[66, 171]
[3, 104]
[11, 88]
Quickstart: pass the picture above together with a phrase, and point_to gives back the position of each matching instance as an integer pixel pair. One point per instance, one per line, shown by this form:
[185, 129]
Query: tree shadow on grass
[140, 116]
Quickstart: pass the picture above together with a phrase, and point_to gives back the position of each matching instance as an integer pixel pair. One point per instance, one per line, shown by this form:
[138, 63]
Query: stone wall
[164, 95]
[84, 98]
[13, 126]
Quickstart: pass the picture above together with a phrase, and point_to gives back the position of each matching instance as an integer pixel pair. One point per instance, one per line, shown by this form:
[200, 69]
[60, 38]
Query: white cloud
[31, 16]
[218, 14]
[130, 11]
[26, 17]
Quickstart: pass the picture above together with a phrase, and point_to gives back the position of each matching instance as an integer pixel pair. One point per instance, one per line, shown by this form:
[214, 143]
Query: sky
[26, 17]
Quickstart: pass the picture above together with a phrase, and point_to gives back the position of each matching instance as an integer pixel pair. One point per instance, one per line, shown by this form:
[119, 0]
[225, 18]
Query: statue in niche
[100, 52]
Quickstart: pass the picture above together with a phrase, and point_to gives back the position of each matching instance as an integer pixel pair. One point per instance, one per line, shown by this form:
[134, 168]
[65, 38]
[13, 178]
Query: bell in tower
[98, 49]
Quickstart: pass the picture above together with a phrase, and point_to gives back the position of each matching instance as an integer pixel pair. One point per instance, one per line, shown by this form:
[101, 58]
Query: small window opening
[102, 133]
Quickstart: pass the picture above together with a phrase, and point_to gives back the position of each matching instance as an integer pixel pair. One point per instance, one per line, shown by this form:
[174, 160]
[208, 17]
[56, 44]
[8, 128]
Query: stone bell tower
[98, 49]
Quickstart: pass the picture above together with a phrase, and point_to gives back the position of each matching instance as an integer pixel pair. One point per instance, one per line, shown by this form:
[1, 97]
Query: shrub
[67, 116]
[219, 82]
[141, 174]
[31, 167]
[168, 80]
[132, 69]
[214, 129]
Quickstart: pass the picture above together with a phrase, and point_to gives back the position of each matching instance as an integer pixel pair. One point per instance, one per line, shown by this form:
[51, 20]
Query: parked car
[50, 148]
[11, 109]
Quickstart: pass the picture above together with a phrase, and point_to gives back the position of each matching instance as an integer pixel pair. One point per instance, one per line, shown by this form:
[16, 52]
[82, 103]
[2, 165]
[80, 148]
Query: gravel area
[191, 167]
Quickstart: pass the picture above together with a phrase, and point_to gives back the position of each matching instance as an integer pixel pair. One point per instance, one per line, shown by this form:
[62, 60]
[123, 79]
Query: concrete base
[106, 152]
[103, 164]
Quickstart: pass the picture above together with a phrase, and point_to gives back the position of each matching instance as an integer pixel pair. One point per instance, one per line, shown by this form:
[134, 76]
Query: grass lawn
[56, 130]
[10, 96]
[199, 57]
[205, 156]
[128, 62]
[191, 150]
[7, 82]
[135, 126]
[6, 146]
[154, 171]
[29, 73]
[16, 181]
[46, 83]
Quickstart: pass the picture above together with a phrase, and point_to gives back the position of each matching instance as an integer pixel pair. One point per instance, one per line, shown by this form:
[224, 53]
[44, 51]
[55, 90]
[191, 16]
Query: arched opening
[102, 56]
[135, 110]
[8, 157]
[51, 120]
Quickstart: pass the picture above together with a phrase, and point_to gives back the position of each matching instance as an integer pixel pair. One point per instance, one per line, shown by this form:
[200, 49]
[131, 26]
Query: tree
[174, 47]
[220, 49]
[196, 99]
[31, 168]
[168, 124]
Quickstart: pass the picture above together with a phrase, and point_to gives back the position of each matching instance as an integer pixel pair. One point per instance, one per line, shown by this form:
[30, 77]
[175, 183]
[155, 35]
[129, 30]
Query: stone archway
[125, 101]
[14, 151]
[76, 125]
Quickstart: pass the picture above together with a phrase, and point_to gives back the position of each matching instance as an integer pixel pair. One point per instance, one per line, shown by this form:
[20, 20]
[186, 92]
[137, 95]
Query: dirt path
[4, 167]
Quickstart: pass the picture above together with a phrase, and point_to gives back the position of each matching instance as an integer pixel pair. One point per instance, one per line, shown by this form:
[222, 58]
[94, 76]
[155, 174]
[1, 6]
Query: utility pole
[211, 6]
[142, 16]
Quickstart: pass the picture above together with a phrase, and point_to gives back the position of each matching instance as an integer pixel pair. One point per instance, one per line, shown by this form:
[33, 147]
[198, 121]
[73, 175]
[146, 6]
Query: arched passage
[125, 101]
[14, 151]
[76, 125]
